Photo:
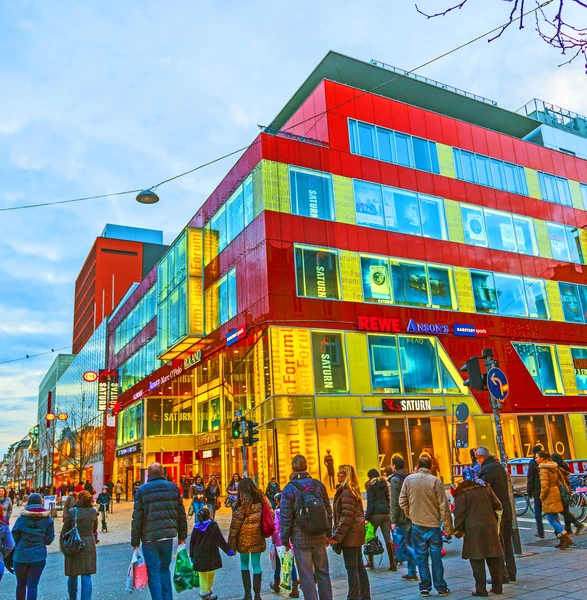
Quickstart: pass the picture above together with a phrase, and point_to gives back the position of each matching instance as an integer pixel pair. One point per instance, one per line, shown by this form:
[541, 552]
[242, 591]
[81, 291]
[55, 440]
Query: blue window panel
[500, 230]
[469, 167]
[410, 284]
[376, 280]
[584, 194]
[511, 297]
[572, 309]
[483, 170]
[550, 193]
[386, 145]
[536, 297]
[249, 201]
[583, 297]
[419, 365]
[497, 174]
[218, 226]
[402, 213]
[459, 167]
[558, 242]
[354, 136]
[440, 286]
[384, 364]
[369, 204]
[223, 301]
[525, 235]
[564, 192]
[367, 140]
[542, 182]
[433, 218]
[575, 250]
[403, 146]
[434, 158]
[527, 353]
[232, 295]
[474, 225]
[579, 356]
[548, 370]
[523, 184]
[421, 154]
[510, 178]
[311, 193]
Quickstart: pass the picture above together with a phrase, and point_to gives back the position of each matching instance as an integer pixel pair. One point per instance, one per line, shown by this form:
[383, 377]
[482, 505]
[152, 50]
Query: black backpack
[312, 516]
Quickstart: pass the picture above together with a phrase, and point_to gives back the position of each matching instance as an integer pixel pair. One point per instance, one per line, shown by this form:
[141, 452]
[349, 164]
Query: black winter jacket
[493, 473]
[204, 546]
[396, 481]
[377, 498]
[158, 512]
[533, 480]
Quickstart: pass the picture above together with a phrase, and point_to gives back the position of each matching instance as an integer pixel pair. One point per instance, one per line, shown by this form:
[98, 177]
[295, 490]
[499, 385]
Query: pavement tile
[542, 595]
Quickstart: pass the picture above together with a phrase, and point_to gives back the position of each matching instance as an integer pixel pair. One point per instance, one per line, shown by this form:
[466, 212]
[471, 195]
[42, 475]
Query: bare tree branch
[442, 14]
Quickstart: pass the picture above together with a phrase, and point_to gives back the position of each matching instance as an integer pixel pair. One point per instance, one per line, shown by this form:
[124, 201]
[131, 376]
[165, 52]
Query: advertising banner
[291, 355]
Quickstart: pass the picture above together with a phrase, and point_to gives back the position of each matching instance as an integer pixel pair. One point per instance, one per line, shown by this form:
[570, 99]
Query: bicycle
[578, 506]
[521, 502]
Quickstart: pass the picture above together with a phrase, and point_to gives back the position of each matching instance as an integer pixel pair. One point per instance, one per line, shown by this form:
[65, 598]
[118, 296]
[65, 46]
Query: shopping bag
[139, 570]
[183, 574]
[369, 532]
[130, 586]
[286, 558]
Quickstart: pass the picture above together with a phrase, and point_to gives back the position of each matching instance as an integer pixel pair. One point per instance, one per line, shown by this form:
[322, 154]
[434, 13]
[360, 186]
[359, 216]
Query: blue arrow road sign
[498, 384]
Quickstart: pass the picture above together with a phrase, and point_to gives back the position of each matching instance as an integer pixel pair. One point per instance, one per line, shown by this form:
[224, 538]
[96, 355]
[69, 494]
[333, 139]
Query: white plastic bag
[136, 576]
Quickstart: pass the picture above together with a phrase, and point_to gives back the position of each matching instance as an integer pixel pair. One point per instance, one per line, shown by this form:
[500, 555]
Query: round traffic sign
[497, 382]
[462, 412]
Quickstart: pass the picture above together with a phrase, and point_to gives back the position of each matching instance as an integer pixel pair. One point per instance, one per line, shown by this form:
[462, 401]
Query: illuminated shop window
[317, 273]
[384, 363]
[376, 280]
[169, 416]
[311, 193]
[565, 243]
[419, 364]
[574, 301]
[490, 172]
[141, 364]
[555, 189]
[329, 362]
[542, 363]
[130, 424]
[579, 356]
[392, 146]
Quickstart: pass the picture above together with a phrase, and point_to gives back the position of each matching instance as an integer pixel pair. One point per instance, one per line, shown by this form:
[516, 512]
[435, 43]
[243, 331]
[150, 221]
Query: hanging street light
[147, 197]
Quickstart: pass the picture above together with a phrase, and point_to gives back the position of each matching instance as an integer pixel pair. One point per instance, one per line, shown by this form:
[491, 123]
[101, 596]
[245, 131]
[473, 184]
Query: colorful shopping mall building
[364, 246]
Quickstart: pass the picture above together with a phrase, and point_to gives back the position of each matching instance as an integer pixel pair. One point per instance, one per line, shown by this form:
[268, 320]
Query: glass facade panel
[317, 273]
[442, 293]
[572, 308]
[433, 217]
[329, 362]
[536, 296]
[541, 361]
[392, 441]
[249, 208]
[525, 235]
[369, 204]
[366, 140]
[410, 283]
[469, 167]
[532, 433]
[235, 214]
[511, 297]
[386, 145]
[497, 174]
[583, 188]
[384, 364]
[474, 225]
[403, 213]
[500, 230]
[421, 154]
[484, 292]
[579, 356]
[419, 365]
[558, 242]
[574, 242]
[376, 280]
[403, 149]
[311, 193]
[484, 170]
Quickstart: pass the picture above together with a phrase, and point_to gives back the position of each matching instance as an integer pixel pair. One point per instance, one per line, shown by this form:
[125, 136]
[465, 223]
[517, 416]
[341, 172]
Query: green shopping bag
[369, 532]
[184, 576]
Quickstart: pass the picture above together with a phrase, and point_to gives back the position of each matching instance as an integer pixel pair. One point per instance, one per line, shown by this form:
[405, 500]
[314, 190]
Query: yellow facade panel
[338, 406]
[576, 195]
[446, 161]
[358, 363]
[583, 240]
[579, 432]
[567, 371]
[554, 301]
[291, 355]
[466, 299]
[350, 275]
[456, 233]
[366, 450]
[344, 200]
[533, 183]
[544, 248]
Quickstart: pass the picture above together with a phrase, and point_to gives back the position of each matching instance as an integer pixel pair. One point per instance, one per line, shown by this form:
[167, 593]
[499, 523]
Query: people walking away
[533, 490]
[349, 531]
[550, 480]
[69, 503]
[135, 486]
[277, 543]
[493, 473]
[379, 513]
[232, 489]
[306, 520]
[118, 490]
[397, 474]
[569, 518]
[79, 487]
[88, 487]
[33, 531]
[110, 486]
[6, 540]
[158, 517]
[185, 484]
[198, 495]
[83, 564]
[204, 551]
[424, 501]
[5, 503]
[103, 502]
[272, 490]
[212, 494]
[476, 520]
[246, 536]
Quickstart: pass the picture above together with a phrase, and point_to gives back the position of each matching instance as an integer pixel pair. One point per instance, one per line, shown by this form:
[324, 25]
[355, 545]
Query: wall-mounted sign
[233, 336]
[90, 376]
[204, 454]
[469, 331]
[383, 324]
[108, 389]
[128, 450]
[414, 327]
[398, 405]
[192, 360]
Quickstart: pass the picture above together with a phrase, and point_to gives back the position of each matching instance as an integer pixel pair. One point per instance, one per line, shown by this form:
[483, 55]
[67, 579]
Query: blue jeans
[86, 587]
[158, 558]
[552, 518]
[27, 579]
[428, 540]
[197, 506]
[406, 546]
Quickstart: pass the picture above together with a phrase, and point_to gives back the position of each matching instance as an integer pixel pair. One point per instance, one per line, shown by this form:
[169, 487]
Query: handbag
[563, 489]
[227, 502]
[373, 547]
[191, 510]
[71, 542]
[267, 520]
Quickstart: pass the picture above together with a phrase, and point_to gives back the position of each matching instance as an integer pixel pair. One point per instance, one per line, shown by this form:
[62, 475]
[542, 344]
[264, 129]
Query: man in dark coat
[158, 517]
[493, 473]
[533, 489]
[475, 519]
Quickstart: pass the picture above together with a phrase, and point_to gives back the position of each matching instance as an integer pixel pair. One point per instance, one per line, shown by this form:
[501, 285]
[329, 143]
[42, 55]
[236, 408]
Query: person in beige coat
[550, 480]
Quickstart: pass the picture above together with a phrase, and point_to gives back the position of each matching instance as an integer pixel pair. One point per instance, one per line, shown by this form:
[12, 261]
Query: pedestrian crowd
[411, 510]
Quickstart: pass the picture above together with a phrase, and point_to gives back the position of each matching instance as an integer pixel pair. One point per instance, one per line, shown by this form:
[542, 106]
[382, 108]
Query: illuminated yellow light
[50, 416]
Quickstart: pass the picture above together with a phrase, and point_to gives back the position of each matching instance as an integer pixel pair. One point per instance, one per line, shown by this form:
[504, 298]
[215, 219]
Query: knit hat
[34, 500]
[373, 474]
[470, 475]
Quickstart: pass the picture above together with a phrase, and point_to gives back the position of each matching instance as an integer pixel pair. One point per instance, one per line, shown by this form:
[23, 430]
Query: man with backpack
[403, 526]
[306, 521]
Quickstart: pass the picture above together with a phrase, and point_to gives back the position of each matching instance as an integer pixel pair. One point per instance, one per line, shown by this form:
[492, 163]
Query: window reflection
[311, 193]
[484, 292]
[541, 361]
[410, 284]
[376, 280]
[419, 365]
[317, 273]
[511, 297]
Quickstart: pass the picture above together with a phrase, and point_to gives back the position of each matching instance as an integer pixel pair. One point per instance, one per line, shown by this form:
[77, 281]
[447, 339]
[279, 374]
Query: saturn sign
[90, 376]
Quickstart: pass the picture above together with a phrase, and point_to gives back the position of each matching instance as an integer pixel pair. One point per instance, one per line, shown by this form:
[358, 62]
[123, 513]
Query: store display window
[317, 273]
[384, 363]
[329, 362]
[579, 356]
[541, 361]
[369, 204]
[572, 308]
[376, 280]
[511, 296]
[311, 193]
[419, 367]
[336, 447]
[533, 433]
[169, 416]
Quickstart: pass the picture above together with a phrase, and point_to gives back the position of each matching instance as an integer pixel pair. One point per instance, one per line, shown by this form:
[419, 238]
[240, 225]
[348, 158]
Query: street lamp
[147, 197]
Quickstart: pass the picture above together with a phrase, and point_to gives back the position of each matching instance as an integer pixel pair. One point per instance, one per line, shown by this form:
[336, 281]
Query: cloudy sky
[99, 97]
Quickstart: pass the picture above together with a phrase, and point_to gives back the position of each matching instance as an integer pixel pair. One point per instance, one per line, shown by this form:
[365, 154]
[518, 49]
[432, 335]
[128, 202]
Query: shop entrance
[548, 431]
[172, 472]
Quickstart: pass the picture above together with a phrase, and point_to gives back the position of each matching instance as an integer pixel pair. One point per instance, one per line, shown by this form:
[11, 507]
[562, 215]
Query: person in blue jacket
[6, 540]
[32, 533]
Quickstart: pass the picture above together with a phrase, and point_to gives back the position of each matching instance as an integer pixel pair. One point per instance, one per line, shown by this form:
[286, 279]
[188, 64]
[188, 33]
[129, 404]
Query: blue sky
[105, 96]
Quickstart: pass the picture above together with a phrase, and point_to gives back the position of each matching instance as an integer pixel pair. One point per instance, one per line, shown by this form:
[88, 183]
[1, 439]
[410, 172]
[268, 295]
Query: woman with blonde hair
[349, 531]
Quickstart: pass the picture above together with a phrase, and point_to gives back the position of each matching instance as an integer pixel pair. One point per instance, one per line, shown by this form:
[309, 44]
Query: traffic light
[251, 433]
[476, 380]
[236, 430]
